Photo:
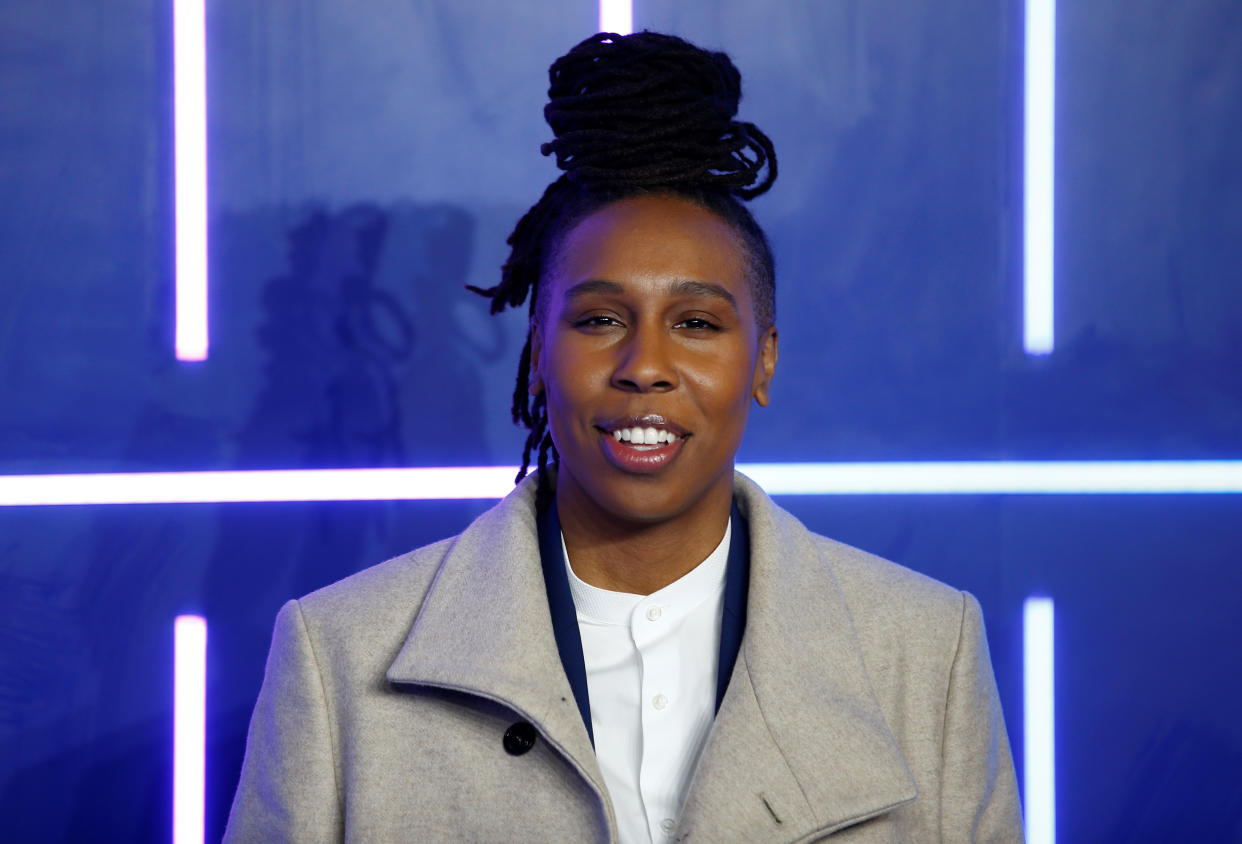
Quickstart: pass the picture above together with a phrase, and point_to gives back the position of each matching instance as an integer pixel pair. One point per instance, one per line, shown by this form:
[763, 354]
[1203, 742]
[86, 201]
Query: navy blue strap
[733, 615]
[565, 617]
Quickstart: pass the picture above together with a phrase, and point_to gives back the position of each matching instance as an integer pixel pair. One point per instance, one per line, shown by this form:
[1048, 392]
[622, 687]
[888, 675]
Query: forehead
[650, 241]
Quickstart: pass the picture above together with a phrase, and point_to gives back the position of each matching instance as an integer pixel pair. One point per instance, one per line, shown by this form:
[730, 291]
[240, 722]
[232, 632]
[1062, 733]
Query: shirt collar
[677, 600]
[565, 623]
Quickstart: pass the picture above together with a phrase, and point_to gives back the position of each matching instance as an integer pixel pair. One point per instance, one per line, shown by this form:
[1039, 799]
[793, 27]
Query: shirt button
[654, 613]
[667, 825]
[659, 701]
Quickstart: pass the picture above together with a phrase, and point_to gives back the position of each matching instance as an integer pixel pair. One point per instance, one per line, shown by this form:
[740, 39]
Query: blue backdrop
[368, 160]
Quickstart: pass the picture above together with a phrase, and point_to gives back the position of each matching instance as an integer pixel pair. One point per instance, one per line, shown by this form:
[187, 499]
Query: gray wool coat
[862, 705]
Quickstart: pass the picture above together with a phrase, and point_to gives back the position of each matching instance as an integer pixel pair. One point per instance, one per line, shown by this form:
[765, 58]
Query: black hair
[633, 115]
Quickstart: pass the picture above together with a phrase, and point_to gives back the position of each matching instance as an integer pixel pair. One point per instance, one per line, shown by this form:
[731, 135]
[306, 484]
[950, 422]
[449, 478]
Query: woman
[636, 644]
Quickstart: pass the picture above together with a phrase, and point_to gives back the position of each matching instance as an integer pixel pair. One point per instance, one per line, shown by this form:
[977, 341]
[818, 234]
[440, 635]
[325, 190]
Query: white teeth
[644, 436]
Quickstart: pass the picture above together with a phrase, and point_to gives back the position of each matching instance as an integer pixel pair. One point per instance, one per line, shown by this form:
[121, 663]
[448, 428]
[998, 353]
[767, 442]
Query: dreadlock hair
[634, 115]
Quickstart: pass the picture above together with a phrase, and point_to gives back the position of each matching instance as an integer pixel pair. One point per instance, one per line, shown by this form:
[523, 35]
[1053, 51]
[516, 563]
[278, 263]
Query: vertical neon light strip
[1039, 152]
[1037, 221]
[616, 16]
[1039, 775]
[190, 176]
[189, 727]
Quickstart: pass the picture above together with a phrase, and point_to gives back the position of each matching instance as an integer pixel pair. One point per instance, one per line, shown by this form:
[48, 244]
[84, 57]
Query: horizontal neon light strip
[1039, 772]
[276, 485]
[1053, 477]
[190, 177]
[189, 727]
[484, 482]
[1038, 179]
[616, 16]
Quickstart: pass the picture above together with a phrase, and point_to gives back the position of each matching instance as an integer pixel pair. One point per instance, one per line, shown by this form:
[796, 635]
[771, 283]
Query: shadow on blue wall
[355, 362]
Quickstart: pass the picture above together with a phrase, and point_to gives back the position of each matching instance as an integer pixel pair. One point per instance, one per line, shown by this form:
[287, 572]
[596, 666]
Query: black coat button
[519, 738]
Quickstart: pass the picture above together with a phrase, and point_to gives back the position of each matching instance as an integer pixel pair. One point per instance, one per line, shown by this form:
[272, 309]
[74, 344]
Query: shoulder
[357, 625]
[878, 593]
[910, 628]
[376, 607]
[876, 587]
[377, 589]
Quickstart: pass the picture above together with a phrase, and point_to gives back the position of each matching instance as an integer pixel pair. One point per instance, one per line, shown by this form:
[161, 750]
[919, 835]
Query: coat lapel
[799, 746]
[484, 629]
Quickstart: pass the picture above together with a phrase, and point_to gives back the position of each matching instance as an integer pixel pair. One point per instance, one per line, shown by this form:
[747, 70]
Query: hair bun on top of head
[651, 109]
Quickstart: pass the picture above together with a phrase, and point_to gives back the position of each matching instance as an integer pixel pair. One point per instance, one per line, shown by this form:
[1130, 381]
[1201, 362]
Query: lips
[641, 444]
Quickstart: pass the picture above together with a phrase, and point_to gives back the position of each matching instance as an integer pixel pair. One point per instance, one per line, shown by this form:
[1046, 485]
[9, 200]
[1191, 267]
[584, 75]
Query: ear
[535, 376]
[765, 366]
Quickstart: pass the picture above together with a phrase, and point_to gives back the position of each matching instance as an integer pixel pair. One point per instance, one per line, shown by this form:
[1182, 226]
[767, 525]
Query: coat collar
[799, 745]
[484, 629]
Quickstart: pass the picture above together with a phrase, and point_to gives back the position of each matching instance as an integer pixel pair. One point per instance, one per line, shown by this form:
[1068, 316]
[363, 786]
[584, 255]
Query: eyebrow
[689, 287]
[685, 287]
[594, 285]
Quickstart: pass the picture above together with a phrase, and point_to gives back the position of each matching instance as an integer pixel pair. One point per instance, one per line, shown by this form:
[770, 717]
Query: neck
[640, 557]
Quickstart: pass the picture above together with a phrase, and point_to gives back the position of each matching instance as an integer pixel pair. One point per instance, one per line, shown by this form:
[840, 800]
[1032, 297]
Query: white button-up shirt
[651, 664]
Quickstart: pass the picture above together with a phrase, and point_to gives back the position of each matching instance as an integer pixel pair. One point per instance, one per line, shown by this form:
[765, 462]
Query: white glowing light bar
[276, 485]
[1039, 154]
[190, 177]
[1039, 773]
[1067, 477]
[616, 16]
[189, 727]
[1106, 477]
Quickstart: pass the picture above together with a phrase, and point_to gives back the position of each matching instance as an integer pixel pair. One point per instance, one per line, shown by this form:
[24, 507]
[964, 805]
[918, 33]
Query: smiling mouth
[641, 444]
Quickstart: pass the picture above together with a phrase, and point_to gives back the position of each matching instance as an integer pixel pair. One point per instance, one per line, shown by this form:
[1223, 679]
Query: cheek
[729, 379]
[565, 387]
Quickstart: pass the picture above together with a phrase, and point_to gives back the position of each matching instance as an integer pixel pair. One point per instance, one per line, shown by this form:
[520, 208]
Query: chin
[648, 500]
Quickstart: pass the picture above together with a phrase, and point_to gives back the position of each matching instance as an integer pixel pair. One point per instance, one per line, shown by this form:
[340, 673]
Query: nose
[644, 362]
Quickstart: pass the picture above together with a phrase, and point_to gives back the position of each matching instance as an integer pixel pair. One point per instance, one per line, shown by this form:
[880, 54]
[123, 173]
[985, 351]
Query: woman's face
[648, 354]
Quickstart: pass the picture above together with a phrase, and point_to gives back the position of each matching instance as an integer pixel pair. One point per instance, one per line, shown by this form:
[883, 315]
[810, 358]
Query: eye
[596, 321]
[698, 324]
